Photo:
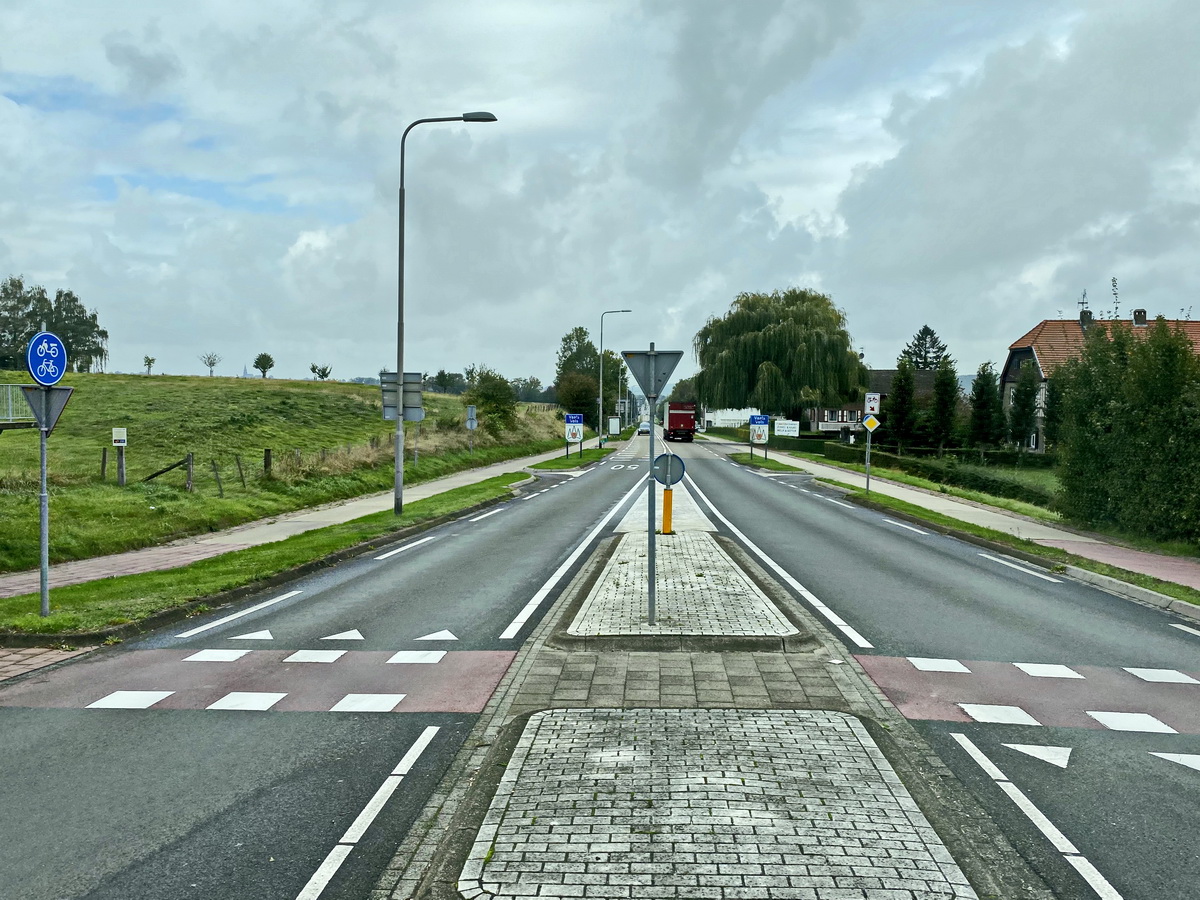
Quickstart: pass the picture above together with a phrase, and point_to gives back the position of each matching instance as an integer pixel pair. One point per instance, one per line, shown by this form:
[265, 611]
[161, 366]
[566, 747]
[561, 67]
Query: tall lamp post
[399, 489]
[600, 425]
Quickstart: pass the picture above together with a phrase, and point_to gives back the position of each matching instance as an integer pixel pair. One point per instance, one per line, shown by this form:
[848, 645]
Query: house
[1053, 342]
[848, 417]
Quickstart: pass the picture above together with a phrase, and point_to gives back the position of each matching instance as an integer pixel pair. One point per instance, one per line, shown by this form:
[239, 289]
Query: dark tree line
[26, 310]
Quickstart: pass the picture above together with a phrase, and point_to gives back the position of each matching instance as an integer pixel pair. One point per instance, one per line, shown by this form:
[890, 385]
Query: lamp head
[478, 117]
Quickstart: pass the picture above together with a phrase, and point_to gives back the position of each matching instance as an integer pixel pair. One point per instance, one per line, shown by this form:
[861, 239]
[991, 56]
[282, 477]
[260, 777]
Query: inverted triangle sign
[651, 369]
[47, 403]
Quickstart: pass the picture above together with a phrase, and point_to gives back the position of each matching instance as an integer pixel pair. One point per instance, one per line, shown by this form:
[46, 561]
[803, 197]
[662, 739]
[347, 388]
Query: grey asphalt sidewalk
[600, 770]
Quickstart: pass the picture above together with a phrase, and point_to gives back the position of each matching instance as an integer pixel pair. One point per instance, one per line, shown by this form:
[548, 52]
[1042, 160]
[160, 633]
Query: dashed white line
[238, 615]
[908, 527]
[424, 540]
[1012, 565]
[486, 514]
[839, 502]
[1061, 843]
[1186, 628]
[333, 861]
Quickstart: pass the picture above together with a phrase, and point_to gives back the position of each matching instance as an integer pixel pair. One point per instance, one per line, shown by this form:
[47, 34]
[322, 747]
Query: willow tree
[779, 352]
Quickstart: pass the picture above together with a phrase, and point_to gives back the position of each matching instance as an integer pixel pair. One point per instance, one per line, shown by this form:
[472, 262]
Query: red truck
[681, 422]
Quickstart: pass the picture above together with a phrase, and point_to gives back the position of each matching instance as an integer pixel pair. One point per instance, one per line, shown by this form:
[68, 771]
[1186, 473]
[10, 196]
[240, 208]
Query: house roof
[880, 381]
[1054, 341]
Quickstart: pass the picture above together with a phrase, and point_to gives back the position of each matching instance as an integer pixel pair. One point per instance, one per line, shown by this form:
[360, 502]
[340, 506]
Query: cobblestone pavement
[19, 660]
[705, 803]
[698, 591]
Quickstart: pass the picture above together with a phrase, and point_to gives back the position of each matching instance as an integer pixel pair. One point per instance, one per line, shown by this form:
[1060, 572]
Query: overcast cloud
[221, 176]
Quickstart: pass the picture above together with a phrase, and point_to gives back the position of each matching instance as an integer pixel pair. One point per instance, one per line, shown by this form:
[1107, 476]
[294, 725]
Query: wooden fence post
[217, 475]
[103, 462]
[267, 463]
[120, 467]
[242, 475]
[190, 473]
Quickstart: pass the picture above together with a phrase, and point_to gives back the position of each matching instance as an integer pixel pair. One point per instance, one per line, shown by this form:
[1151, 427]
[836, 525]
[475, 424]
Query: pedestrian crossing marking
[1046, 670]
[257, 701]
[1056, 756]
[130, 700]
[998, 714]
[438, 636]
[418, 656]
[1126, 721]
[1162, 676]
[927, 664]
[368, 703]
[253, 636]
[216, 656]
[353, 635]
[315, 656]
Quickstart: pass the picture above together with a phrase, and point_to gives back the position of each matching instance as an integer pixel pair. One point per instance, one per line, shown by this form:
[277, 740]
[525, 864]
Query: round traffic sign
[46, 358]
[667, 469]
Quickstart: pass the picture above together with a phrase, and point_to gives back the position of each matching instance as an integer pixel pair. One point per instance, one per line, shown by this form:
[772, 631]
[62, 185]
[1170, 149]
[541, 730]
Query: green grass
[82, 609]
[329, 443]
[761, 462]
[575, 460]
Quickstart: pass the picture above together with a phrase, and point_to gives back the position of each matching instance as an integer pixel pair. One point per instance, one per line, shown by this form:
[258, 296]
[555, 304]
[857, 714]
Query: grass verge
[113, 603]
[761, 462]
[575, 460]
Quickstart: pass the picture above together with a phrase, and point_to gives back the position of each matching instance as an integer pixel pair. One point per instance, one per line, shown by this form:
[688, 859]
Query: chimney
[1139, 318]
[1085, 318]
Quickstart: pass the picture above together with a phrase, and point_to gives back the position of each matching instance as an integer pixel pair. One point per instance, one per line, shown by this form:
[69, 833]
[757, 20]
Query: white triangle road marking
[1191, 760]
[438, 636]
[1056, 756]
[253, 636]
[353, 635]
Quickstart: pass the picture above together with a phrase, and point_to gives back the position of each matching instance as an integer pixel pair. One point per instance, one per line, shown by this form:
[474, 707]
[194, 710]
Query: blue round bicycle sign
[46, 358]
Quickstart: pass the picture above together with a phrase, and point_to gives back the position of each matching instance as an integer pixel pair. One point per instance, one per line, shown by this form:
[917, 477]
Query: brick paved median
[705, 803]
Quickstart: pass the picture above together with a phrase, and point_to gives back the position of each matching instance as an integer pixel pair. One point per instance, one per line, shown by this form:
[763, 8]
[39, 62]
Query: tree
[577, 353]
[900, 408]
[24, 311]
[986, 427]
[1022, 414]
[148, 362]
[577, 392]
[684, 391]
[264, 362]
[781, 352]
[448, 382]
[1053, 412]
[211, 360]
[945, 403]
[528, 389]
[494, 398]
[322, 372]
[925, 350]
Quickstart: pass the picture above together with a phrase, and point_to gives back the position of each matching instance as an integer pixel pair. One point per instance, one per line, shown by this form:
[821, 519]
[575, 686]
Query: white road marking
[992, 770]
[1012, 565]
[926, 664]
[367, 703]
[1092, 876]
[1162, 676]
[795, 585]
[1056, 756]
[424, 540]
[1127, 721]
[998, 714]
[215, 655]
[238, 615]
[353, 635]
[255, 636]
[1047, 670]
[839, 502]
[438, 636]
[130, 700]
[418, 656]
[1190, 760]
[255, 700]
[315, 656]
[354, 833]
[486, 514]
[908, 527]
[523, 616]
[1186, 628]
[1038, 818]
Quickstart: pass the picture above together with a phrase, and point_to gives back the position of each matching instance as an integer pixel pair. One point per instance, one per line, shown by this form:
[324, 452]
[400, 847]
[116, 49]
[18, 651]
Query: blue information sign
[759, 420]
[46, 358]
[574, 418]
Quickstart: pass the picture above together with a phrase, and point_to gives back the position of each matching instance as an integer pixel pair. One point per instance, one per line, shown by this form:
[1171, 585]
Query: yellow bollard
[666, 529]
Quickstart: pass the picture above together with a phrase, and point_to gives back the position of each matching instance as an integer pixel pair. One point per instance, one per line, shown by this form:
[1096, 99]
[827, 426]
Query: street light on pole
[465, 117]
[600, 425]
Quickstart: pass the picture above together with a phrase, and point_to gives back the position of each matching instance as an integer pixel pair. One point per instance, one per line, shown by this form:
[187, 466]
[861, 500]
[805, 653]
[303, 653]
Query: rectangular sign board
[574, 418]
[758, 434]
[787, 428]
[574, 433]
[759, 420]
[119, 437]
[872, 404]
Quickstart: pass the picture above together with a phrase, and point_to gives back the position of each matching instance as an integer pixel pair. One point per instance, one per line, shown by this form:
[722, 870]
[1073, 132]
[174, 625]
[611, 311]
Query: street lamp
[399, 489]
[600, 424]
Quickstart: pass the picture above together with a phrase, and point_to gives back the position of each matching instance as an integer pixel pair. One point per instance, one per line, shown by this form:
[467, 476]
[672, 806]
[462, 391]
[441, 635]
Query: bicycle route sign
[46, 358]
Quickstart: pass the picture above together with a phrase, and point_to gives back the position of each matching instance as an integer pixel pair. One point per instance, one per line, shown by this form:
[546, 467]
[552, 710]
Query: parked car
[643, 428]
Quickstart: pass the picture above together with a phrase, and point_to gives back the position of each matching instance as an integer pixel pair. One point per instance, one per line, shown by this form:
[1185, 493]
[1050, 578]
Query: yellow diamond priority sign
[870, 423]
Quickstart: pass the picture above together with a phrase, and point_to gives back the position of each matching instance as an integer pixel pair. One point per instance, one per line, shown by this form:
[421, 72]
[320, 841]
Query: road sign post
[651, 369]
[46, 359]
[870, 423]
[574, 431]
[758, 433]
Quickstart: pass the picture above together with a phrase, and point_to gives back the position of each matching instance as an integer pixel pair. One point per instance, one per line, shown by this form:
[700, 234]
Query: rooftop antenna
[1082, 301]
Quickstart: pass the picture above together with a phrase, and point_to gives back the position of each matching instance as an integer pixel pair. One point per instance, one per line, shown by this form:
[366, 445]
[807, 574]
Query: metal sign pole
[44, 502]
[868, 462]
[650, 507]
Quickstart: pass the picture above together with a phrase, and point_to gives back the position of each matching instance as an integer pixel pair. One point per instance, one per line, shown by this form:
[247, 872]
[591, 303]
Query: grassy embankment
[1043, 479]
[329, 443]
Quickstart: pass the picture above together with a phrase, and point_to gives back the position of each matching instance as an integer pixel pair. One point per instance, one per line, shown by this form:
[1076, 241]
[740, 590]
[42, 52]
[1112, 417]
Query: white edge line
[1186, 628]
[1012, 565]
[409, 546]
[486, 514]
[804, 592]
[523, 616]
[1093, 877]
[333, 861]
[840, 503]
[238, 615]
[976, 754]
[909, 527]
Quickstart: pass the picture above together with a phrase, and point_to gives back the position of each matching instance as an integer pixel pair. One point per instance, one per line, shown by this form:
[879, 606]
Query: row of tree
[27, 309]
[577, 377]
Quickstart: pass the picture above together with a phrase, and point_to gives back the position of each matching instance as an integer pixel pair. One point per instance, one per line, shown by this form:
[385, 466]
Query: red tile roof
[1054, 341]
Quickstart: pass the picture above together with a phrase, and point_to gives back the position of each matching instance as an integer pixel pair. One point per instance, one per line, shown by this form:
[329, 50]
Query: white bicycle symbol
[48, 370]
[46, 347]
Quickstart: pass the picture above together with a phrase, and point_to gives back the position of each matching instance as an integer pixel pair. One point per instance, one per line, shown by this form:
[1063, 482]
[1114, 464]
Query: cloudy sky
[221, 176]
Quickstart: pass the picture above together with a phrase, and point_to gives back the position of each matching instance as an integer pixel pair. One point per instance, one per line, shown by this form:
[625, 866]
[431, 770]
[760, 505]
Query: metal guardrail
[13, 406]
